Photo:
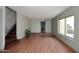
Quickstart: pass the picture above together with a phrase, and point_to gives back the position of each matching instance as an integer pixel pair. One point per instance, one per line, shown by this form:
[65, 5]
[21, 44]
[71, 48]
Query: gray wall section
[2, 27]
[1, 37]
[70, 11]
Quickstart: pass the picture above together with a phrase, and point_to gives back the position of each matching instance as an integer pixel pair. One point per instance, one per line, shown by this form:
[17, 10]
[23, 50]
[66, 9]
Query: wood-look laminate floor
[39, 44]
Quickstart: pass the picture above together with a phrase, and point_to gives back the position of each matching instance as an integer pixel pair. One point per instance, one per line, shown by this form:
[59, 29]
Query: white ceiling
[39, 12]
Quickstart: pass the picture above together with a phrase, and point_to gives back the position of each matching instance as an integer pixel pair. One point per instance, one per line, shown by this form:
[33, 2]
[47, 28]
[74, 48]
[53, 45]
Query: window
[70, 26]
[61, 27]
[66, 26]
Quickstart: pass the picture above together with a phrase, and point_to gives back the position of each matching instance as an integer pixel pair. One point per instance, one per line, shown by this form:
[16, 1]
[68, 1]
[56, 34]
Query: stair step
[14, 30]
[10, 40]
[12, 44]
[11, 36]
[13, 33]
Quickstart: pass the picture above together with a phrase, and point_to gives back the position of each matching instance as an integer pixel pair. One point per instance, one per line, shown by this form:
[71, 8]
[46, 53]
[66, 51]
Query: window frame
[65, 28]
[59, 27]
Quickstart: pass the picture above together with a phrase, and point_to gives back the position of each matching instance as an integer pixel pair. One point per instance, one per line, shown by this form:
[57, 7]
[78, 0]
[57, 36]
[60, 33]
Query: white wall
[71, 11]
[10, 19]
[48, 26]
[36, 26]
[22, 25]
[2, 27]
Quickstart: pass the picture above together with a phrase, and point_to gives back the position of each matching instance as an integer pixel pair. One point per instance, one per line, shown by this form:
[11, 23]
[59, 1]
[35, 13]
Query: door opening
[43, 26]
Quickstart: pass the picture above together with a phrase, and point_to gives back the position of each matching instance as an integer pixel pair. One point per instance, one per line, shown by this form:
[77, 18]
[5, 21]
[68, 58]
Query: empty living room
[39, 29]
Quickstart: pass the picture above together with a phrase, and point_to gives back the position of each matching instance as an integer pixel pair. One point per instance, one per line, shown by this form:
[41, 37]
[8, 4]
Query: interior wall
[2, 27]
[48, 26]
[22, 25]
[10, 19]
[36, 26]
[71, 11]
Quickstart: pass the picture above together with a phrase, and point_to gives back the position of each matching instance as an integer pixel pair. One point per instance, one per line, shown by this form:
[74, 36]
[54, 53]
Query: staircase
[11, 37]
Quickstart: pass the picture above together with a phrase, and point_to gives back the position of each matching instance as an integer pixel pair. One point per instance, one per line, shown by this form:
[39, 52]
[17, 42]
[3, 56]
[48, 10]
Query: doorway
[43, 24]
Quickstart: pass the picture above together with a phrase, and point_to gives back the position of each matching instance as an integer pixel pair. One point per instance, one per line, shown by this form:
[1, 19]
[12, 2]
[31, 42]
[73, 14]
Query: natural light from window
[62, 26]
[66, 26]
[70, 26]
